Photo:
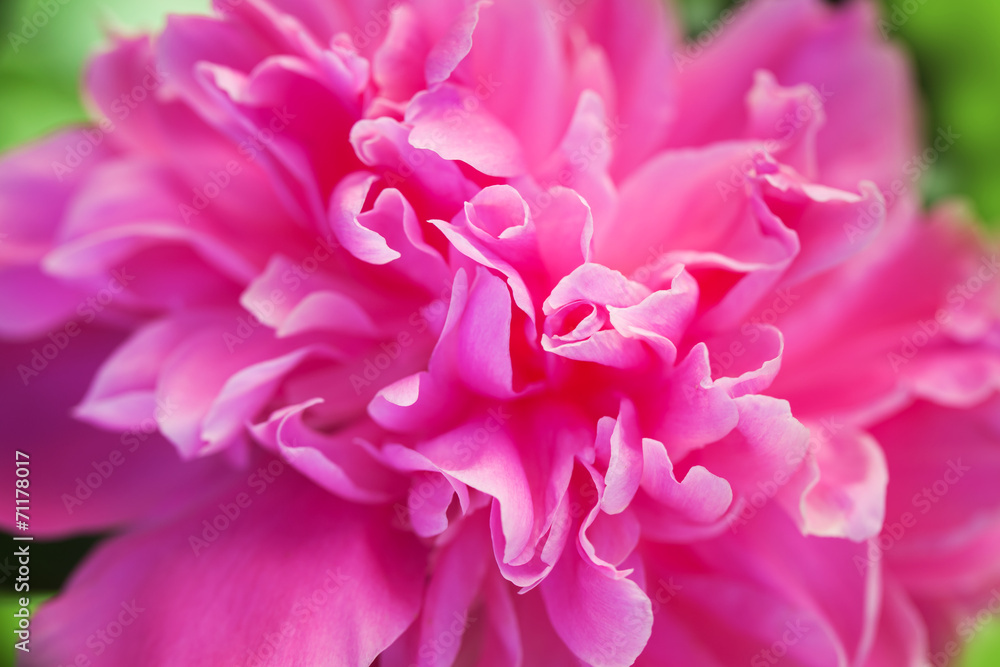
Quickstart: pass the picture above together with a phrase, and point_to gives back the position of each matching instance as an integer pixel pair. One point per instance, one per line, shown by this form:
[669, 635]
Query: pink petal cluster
[457, 332]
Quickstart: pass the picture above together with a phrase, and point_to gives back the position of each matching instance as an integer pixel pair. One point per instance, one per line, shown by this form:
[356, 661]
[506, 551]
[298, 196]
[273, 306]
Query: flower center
[576, 321]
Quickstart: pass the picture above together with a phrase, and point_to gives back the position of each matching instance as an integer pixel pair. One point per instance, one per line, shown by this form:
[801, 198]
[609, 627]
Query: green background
[955, 43]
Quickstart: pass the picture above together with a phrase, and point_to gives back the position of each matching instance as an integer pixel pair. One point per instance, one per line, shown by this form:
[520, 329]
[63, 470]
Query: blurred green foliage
[9, 605]
[40, 66]
[956, 45]
[984, 651]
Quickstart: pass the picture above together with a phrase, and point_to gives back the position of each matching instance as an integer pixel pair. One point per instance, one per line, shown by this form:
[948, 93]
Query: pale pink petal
[442, 124]
[605, 622]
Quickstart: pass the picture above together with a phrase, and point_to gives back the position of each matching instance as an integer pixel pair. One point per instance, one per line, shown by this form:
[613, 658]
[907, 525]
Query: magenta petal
[582, 160]
[705, 588]
[846, 495]
[902, 637]
[458, 576]
[605, 622]
[568, 216]
[384, 144]
[51, 305]
[34, 196]
[413, 403]
[453, 46]
[396, 63]
[123, 391]
[502, 333]
[774, 113]
[495, 470]
[479, 138]
[345, 207]
[342, 464]
[431, 491]
[766, 448]
[484, 337]
[942, 484]
[680, 509]
[693, 411]
[637, 40]
[85, 479]
[625, 466]
[155, 577]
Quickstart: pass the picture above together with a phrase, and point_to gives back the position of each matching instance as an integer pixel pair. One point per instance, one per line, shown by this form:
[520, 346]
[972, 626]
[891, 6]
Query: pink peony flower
[511, 333]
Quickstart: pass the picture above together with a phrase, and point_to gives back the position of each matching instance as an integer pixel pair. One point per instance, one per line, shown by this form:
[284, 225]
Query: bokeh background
[954, 43]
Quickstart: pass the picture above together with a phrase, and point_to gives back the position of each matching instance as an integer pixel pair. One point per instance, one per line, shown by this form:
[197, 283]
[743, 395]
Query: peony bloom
[502, 333]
